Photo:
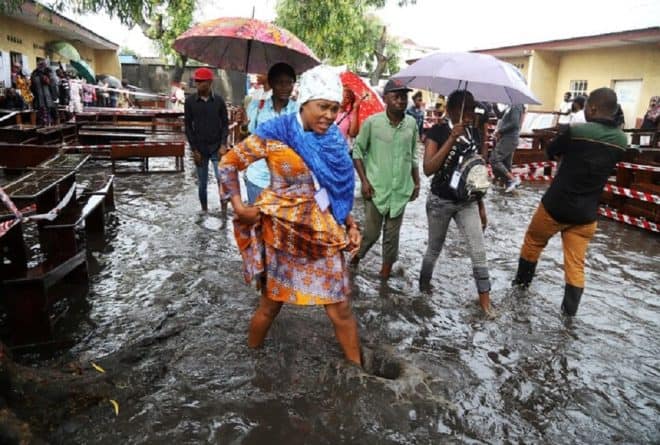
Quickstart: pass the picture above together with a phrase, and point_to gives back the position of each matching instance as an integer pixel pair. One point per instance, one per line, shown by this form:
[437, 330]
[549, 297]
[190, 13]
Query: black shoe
[572, 296]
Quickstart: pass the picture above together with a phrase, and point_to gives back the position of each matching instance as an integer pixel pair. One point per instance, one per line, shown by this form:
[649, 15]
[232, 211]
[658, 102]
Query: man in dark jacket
[588, 154]
[207, 127]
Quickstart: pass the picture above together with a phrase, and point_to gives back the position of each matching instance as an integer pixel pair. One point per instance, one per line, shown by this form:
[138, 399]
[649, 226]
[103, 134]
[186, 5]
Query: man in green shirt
[385, 157]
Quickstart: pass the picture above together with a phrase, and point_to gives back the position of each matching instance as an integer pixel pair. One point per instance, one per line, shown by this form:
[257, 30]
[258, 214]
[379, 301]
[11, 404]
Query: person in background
[177, 96]
[565, 111]
[125, 99]
[416, 110]
[102, 94]
[22, 85]
[64, 87]
[207, 128]
[294, 239]
[75, 104]
[347, 118]
[507, 136]
[281, 78]
[385, 157]
[12, 101]
[588, 153]
[89, 94]
[577, 112]
[44, 89]
[652, 117]
[446, 143]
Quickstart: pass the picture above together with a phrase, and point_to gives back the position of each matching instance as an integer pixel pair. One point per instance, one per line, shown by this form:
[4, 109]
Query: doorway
[627, 93]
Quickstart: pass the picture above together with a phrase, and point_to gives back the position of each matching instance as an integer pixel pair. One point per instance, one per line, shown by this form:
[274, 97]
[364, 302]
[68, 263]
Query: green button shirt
[389, 154]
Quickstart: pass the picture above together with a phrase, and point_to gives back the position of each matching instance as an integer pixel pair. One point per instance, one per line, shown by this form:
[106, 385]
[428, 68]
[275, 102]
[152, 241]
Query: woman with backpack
[459, 182]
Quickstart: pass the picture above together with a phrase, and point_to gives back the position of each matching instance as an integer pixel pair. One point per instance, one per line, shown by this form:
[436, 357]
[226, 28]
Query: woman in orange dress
[294, 237]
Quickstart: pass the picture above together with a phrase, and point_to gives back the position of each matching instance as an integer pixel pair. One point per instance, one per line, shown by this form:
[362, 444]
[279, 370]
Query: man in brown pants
[588, 154]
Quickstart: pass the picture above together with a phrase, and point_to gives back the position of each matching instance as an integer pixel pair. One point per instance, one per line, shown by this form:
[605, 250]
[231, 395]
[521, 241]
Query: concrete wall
[32, 42]
[519, 62]
[157, 78]
[542, 78]
[601, 67]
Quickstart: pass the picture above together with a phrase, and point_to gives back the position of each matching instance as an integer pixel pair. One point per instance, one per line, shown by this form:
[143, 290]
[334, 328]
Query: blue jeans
[253, 190]
[203, 176]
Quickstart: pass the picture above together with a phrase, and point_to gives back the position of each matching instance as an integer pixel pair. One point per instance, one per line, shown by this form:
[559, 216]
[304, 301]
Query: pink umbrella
[241, 44]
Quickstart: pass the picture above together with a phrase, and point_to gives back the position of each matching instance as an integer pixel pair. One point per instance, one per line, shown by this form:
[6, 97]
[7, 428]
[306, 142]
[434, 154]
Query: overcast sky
[446, 25]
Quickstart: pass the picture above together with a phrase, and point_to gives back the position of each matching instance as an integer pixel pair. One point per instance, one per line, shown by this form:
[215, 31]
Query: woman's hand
[197, 157]
[247, 214]
[482, 216]
[354, 240]
[458, 130]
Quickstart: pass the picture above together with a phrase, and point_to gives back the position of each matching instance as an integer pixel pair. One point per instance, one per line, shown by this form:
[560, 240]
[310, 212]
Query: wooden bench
[142, 152]
[21, 156]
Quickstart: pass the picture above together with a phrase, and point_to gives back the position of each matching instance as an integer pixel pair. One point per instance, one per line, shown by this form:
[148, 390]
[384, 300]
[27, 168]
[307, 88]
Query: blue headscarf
[326, 155]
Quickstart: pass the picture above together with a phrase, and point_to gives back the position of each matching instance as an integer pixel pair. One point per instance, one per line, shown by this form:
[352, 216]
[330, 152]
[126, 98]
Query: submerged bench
[141, 152]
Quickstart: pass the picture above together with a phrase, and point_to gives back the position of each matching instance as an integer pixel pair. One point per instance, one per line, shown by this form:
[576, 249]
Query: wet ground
[447, 375]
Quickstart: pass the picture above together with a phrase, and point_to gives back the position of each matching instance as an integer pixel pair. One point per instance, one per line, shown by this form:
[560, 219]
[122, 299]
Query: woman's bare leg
[261, 321]
[345, 329]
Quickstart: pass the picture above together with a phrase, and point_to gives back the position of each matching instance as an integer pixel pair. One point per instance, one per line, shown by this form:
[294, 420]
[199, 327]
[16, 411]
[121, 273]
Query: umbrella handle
[463, 103]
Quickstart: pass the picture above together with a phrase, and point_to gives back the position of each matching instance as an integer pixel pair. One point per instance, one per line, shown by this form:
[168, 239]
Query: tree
[342, 32]
[160, 20]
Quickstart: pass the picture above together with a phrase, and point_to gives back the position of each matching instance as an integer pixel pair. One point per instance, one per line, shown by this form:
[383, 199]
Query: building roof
[40, 16]
[608, 40]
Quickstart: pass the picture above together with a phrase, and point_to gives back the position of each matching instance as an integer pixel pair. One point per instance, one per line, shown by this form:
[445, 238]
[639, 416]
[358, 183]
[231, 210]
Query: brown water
[529, 376]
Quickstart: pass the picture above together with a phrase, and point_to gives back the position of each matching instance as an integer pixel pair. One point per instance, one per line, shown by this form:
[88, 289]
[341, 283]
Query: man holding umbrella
[207, 127]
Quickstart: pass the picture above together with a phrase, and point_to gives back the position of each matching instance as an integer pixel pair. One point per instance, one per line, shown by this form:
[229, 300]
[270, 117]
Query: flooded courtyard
[445, 374]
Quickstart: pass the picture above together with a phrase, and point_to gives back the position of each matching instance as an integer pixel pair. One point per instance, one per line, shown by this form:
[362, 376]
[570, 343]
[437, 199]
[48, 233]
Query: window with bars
[578, 88]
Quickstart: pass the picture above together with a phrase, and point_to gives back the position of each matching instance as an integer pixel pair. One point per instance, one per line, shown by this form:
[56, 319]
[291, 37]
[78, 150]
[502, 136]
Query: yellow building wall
[522, 63]
[34, 41]
[601, 67]
[542, 78]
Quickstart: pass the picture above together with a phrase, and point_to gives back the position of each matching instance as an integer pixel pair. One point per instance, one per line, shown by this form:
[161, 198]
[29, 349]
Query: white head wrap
[321, 82]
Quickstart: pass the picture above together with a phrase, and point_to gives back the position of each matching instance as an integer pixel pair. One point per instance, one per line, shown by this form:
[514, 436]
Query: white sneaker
[512, 185]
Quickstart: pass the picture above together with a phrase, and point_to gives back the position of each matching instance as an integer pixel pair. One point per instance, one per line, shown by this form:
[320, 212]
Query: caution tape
[632, 193]
[641, 167]
[536, 164]
[9, 204]
[631, 220]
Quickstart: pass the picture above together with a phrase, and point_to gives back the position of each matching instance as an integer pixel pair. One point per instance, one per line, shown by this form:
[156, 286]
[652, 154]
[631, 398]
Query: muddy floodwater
[446, 374]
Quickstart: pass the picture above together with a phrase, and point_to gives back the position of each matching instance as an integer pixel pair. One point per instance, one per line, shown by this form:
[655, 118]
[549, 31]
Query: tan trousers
[574, 240]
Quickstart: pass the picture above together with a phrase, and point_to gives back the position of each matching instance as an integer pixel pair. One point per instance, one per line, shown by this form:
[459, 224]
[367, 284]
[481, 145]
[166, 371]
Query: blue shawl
[326, 155]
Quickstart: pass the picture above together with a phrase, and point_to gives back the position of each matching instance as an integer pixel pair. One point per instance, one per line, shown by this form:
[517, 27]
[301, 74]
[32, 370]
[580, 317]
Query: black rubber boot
[425, 284]
[571, 301]
[525, 273]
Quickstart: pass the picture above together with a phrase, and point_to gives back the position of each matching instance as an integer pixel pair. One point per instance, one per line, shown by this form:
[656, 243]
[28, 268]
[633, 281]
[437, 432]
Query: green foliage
[7, 6]
[340, 32]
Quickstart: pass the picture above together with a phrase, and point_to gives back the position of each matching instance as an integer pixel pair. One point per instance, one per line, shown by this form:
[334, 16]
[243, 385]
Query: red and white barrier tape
[631, 193]
[536, 164]
[631, 220]
[642, 167]
[10, 205]
[25, 211]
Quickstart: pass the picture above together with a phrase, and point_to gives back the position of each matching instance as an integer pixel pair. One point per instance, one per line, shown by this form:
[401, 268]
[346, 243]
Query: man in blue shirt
[281, 78]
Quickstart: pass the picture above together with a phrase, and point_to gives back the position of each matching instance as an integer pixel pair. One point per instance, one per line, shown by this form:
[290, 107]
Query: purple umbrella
[486, 77]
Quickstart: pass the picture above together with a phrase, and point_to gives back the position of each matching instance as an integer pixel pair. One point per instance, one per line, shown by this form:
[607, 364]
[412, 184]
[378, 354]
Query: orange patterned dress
[295, 244]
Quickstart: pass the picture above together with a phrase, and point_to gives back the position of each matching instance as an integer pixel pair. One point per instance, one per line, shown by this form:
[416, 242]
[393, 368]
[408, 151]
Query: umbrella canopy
[112, 81]
[246, 45]
[486, 77]
[64, 49]
[84, 70]
[371, 102]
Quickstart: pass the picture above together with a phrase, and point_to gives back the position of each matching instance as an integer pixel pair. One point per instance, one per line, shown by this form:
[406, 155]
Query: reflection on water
[529, 376]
